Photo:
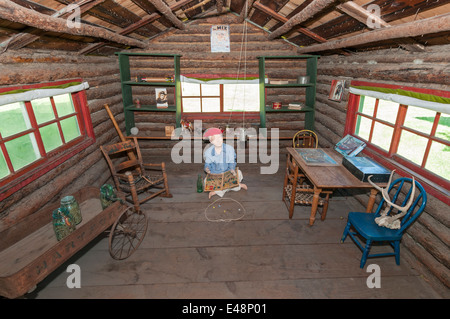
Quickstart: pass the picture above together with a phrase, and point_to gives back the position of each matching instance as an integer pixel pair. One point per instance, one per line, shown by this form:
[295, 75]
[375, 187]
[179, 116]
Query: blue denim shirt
[220, 163]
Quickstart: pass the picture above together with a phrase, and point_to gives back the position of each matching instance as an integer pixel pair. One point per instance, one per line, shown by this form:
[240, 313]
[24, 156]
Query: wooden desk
[326, 178]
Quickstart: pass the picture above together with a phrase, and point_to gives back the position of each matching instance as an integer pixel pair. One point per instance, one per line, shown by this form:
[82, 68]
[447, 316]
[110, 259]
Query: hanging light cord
[243, 50]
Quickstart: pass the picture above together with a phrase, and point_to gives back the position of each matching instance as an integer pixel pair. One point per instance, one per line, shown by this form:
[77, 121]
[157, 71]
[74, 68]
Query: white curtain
[406, 100]
[40, 93]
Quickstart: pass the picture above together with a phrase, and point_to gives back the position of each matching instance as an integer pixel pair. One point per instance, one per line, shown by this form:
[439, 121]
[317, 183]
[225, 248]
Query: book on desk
[350, 146]
[363, 167]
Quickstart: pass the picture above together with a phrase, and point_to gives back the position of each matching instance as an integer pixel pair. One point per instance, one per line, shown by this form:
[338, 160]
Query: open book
[218, 182]
[350, 146]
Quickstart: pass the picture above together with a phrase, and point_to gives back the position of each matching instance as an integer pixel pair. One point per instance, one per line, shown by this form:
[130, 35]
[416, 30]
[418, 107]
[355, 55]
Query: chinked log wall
[194, 45]
[429, 238]
[85, 168]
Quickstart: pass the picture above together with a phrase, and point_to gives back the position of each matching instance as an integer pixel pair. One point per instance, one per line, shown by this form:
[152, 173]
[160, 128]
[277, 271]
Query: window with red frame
[39, 134]
[414, 137]
[216, 98]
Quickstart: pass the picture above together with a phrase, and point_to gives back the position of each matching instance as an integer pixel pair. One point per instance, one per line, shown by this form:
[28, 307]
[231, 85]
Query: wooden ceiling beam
[311, 10]
[167, 12]
[131, 28]
[16, 13]
[362, 15]
[245, 10]
[30, 34]
[416, 28]
[283, 19]
[219, 5]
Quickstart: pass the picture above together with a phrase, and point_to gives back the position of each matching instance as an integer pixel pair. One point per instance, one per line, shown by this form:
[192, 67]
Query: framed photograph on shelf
[161, 98]
[337, 90]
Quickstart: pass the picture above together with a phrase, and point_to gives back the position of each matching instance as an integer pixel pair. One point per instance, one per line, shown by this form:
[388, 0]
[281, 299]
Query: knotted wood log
[16, 13]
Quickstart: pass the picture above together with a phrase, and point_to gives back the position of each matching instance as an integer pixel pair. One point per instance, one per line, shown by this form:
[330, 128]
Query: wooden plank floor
[262, 255]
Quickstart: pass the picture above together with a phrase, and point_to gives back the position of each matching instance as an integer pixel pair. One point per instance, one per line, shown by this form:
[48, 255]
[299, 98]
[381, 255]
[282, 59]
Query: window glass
[363, 127]
[22, 151]
[70, 128]
[50, 137]
[443, 128]
[13, 119]
[437, 161]
[210, 89]
[43, 110]
[63, 104]
[191, 105]
[387, 111]
[211, 105]
[241, 97]
[419, 119]
[412, 146]
[367, 105]
[382, 135]
[190, 89]
[4, 171]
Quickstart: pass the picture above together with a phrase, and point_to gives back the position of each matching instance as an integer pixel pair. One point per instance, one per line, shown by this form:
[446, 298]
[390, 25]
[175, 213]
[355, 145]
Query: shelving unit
[310, 88]
[127, 84]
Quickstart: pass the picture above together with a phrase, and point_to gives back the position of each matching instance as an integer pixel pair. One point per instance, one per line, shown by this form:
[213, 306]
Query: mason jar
[71, 204]
[63, 223]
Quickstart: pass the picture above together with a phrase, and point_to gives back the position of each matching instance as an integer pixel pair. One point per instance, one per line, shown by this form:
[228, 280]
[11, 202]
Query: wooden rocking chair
[133, 177]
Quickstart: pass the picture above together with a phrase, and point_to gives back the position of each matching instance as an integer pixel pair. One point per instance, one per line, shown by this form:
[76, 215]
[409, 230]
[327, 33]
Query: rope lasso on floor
[222, 219]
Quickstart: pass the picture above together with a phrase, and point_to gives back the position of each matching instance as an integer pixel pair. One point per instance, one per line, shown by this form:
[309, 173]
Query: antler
[405, 208]
[383, 191]
[385, 194]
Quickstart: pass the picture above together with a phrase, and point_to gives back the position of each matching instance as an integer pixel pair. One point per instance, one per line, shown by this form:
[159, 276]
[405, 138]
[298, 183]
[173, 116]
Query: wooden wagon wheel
[127, 233]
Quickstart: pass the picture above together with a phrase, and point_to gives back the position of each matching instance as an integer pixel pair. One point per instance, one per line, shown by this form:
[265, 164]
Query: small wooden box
[363, 167]
[169, 130]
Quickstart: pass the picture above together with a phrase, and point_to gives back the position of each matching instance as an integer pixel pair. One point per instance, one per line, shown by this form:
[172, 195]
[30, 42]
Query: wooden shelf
[285, 109]
[309, 88]
[287, 85]
[151, 108]
[149, 83]
[127, 85]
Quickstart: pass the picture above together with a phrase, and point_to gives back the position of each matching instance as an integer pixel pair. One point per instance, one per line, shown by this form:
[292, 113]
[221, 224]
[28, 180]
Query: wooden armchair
[304, 139]
[138, 180]
[298, 188]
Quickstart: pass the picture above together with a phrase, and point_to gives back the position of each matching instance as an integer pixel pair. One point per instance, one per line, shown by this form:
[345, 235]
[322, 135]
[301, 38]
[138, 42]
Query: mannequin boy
[219, 158]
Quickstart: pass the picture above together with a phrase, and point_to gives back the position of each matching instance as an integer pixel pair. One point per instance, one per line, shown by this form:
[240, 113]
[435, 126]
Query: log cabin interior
[79, 75]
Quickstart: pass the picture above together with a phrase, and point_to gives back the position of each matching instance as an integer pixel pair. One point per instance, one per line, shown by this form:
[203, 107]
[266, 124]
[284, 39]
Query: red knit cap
[212, 131]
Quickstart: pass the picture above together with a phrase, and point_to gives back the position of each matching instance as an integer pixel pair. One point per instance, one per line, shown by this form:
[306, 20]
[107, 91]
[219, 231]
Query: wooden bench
[29, 250]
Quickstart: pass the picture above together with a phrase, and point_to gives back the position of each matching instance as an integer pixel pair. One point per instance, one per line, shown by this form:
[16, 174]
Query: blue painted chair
[364, 224]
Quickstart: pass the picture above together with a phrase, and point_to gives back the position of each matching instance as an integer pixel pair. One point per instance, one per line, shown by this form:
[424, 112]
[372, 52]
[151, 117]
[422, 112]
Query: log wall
[193, 44]
[426, 242]
[85, 168]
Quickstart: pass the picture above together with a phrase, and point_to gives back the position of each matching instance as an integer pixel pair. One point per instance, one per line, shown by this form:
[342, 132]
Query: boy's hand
[233, 172]
[207, 170]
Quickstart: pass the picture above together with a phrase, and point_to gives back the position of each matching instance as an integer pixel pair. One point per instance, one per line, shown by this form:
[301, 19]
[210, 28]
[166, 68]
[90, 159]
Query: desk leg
[315, 204]
[373, 195]
[286, 178]
[294, 190]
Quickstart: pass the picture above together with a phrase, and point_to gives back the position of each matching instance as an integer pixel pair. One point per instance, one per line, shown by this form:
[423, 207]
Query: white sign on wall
[220, 38]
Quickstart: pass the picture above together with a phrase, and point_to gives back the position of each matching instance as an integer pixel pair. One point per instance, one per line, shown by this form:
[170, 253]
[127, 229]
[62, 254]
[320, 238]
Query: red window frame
[191, 116]
[49, 160]
[390, 159]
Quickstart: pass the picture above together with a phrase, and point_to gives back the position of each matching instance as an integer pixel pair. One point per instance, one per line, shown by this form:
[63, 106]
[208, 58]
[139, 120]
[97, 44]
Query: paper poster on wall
[220, 38]
[337, 89]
